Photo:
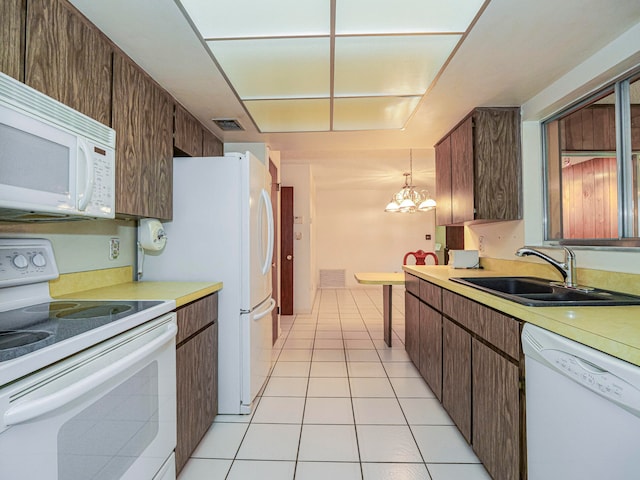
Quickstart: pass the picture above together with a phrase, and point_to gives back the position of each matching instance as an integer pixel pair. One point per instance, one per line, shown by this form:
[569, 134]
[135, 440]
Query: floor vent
[332, 278]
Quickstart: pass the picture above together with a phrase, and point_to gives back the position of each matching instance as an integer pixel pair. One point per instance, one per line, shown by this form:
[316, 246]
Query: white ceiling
[515, 49]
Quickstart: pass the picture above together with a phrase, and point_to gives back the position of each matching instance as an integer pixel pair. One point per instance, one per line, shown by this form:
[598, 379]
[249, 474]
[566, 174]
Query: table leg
[386, 313]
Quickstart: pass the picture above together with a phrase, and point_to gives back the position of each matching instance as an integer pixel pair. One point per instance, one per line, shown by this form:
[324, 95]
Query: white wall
[304, 252]
[356, 234]
[615, 59]
[81, 245]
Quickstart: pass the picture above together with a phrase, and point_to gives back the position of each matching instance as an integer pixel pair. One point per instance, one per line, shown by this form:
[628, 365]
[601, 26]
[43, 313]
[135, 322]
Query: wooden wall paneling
[635, 124]
[462, 174]
[211, 145]
[68, 58]
[12, 31]
[443, 181]
[187, 135]
[555, 135]
[497, 163]
[456, 376]
[496, 413]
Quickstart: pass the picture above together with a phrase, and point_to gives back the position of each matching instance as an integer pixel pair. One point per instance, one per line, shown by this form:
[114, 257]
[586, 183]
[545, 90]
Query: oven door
[106, 413]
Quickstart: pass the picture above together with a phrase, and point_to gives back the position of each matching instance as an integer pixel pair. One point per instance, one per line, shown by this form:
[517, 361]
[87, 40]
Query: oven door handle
[29, 410]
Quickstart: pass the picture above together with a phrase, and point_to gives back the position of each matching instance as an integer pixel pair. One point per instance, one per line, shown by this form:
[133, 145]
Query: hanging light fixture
[408, 199]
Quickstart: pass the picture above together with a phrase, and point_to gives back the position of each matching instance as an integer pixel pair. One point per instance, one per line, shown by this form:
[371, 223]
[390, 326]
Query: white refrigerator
[223, 230]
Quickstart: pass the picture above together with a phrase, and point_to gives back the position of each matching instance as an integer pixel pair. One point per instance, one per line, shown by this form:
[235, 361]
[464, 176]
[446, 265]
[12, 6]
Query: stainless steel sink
[538, 292]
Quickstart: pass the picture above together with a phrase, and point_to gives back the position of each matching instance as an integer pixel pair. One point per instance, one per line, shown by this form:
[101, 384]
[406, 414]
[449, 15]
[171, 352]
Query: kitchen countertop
[181, 292]
[613, 330]
[116, 284]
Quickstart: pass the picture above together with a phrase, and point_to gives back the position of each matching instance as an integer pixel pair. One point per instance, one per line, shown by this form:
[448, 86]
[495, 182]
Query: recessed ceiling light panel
[291, 115]
[276, 68]
[389, 65]
[251, 18]
[375, 113]
[404, 16]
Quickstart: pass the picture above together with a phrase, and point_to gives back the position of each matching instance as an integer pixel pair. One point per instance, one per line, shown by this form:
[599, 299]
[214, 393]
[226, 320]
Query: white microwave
[55, 162]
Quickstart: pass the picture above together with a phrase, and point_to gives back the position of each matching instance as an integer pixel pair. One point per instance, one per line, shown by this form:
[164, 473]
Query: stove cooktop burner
[27, 329]
[13, 339]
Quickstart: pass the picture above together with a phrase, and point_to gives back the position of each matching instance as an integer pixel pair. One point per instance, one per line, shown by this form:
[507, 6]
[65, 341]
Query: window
[591, 169]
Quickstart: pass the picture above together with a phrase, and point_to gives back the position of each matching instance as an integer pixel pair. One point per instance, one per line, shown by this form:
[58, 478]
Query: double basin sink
[538, 292]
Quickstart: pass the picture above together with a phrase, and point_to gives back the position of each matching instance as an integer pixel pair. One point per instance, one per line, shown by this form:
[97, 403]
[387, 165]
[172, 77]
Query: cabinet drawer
[196, 315]
[412, 284]
[496, 328]
[431, 294]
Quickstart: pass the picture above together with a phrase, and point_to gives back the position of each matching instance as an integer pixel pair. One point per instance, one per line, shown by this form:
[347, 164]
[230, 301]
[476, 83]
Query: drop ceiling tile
[250, 18]
[404, 16]
[372, 113]
[276, 68]
[290, 115]
[389, 65]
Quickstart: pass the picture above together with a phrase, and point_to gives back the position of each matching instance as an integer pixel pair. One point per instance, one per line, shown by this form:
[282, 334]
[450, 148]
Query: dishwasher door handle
[29, 410]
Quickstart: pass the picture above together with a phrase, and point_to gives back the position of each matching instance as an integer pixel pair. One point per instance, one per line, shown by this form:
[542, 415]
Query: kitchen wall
[300, 177]
[356, 234]
[81, 245]
[621, 55]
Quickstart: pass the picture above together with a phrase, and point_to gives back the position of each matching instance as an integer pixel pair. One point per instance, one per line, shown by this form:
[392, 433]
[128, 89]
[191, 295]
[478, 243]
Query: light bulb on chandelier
[408, 199]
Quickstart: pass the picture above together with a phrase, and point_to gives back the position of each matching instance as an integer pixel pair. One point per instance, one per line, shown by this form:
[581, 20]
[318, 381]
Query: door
[286, 261]
[275, 290]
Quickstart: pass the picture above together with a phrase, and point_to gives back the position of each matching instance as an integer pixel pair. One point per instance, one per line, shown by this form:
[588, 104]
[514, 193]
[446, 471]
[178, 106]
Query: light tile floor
[339, 405]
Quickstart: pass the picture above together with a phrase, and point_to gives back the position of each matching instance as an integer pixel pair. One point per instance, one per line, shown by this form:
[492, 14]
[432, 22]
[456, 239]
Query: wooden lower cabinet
[470, 356]
[412, 328]
[196, 375]
[430, 346]
[496, 412]
[456, 372]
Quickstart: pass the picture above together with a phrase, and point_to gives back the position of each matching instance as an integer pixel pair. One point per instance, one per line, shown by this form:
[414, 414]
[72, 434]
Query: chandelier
[408, 199]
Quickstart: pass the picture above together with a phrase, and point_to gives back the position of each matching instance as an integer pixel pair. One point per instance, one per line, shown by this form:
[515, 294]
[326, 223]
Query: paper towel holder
[151, 237]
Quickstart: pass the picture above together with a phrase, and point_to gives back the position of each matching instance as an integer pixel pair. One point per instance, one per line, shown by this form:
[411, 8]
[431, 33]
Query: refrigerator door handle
[266, 202]
[272, 305]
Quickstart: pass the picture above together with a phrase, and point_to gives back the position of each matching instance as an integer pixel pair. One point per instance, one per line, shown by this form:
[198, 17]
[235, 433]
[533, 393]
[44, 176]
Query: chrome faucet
[567, 268]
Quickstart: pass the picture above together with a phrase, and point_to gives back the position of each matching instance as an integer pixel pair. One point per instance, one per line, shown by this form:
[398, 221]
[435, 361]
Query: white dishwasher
[583, 410]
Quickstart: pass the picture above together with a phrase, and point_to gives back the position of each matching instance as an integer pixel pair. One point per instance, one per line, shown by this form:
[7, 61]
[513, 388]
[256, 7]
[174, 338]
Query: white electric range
[87, 388]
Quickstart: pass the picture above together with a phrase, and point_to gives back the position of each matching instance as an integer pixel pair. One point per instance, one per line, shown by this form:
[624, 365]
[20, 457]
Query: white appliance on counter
[222, 230]
[55, 162]
[87, 388]
[583, 410]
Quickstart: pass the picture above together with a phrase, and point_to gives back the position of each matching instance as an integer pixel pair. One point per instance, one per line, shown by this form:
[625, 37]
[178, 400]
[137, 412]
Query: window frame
[628, 235]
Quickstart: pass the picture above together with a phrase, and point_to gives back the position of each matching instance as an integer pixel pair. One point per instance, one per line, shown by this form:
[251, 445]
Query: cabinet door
[187, 136]
[412, 328]
[68, 58]
[143, 120]
[496, 413]
[211, 145]
[431, 348]
[12, 38]
[456, 376]
[497, 164]
[443, 181]
[462, 193]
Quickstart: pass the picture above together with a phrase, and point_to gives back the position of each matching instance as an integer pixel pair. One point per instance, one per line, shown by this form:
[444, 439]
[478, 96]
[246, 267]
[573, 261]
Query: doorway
[275, 187]
[286, 260]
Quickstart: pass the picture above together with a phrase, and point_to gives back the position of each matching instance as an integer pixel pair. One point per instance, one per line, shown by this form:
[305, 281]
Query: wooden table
[387, 280]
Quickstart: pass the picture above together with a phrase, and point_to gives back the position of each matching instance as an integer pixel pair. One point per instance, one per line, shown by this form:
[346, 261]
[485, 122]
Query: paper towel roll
[151, 234]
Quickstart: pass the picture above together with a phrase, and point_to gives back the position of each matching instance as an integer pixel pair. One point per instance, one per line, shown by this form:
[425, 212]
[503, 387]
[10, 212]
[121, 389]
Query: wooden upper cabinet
[211, 145]
[143, 121]
[484, 171]
[443, 182]
[12, 13]
[591, 128]
[187, 135]
[68, 58]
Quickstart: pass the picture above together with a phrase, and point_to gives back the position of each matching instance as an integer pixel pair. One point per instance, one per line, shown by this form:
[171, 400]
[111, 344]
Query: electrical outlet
[114, 248]
[481, 244]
